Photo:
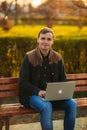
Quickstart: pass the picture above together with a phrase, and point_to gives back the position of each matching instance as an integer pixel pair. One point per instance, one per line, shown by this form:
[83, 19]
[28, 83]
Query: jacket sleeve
[26, 88]
[62, 73]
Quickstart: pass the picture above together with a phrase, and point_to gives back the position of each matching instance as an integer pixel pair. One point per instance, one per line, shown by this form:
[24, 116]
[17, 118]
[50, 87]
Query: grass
[32, 31]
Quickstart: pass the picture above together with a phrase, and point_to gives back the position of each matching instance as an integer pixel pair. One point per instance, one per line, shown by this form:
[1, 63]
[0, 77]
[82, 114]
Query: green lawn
[32, 31]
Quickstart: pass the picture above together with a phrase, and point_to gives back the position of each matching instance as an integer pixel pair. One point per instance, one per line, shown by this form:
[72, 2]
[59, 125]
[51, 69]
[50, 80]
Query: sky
[34, 3]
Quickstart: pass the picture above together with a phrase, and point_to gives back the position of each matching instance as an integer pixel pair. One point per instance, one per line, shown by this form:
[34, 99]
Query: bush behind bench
[12, 50]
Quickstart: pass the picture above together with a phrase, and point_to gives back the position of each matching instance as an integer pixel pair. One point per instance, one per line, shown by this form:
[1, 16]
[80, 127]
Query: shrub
[12, 50]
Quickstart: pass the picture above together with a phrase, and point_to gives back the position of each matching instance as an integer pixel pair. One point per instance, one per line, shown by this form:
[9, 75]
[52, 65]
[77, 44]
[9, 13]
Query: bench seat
[17, 109]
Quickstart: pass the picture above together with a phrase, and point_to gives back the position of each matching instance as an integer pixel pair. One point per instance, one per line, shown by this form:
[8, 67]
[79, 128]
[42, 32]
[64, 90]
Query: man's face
[45, 41]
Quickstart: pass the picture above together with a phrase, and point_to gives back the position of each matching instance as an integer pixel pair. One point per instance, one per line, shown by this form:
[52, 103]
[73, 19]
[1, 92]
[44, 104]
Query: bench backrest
[81, 81]
[9, 86]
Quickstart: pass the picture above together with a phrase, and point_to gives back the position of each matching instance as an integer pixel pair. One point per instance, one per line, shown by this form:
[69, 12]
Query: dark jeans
[45, 109]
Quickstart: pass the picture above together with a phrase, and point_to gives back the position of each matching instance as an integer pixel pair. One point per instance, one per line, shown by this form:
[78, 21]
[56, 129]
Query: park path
[81, 124]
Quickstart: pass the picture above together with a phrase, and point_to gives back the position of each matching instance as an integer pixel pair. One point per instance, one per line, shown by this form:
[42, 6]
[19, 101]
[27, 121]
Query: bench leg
[1, 123]
[6, 121]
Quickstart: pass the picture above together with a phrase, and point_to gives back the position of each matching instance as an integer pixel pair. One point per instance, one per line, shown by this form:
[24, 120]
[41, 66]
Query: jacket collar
[36, 58]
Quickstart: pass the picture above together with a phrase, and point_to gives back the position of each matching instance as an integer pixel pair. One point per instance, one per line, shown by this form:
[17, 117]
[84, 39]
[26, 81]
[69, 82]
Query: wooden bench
[9, 88]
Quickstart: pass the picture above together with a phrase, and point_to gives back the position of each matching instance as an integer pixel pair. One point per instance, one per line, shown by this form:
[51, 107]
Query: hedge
[13, 49]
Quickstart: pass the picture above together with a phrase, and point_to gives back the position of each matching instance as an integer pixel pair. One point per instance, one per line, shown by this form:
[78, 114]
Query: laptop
[60, 90]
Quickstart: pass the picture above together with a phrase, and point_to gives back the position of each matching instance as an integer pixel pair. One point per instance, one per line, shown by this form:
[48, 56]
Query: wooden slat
[77, 76]
[84, 99]
[9, 94]
[9, 87]
[81, 89]
[18, 110]
[10, 105]
[81, 82]
[8, 80]
[81, 102]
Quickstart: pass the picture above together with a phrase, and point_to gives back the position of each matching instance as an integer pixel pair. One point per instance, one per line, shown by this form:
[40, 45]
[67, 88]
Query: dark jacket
[32, 78]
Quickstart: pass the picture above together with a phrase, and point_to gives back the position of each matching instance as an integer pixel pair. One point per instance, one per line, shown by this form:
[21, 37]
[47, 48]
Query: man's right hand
[42, 93]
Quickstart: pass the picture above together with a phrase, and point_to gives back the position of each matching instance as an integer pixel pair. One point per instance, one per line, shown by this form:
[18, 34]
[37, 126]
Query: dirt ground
[31, 122]
[30, 118]
[81, 124]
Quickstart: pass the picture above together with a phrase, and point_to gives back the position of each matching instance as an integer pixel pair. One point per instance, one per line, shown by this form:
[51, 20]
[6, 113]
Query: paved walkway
[81, 124]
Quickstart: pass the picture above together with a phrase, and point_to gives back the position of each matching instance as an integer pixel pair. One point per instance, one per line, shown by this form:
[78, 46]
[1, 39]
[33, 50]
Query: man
[40, 66]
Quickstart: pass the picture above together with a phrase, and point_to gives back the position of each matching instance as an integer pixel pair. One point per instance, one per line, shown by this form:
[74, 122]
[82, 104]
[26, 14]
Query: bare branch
[80, 4]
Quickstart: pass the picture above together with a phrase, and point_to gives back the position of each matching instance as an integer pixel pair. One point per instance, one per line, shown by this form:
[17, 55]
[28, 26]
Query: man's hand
[42, 93]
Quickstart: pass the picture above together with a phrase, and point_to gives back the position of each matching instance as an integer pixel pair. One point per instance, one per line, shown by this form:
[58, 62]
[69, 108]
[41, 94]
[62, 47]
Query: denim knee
[73, 104]
[71, 107]
[47, 106]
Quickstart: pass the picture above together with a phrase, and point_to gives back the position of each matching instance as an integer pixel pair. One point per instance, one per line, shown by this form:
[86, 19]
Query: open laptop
[60, 90]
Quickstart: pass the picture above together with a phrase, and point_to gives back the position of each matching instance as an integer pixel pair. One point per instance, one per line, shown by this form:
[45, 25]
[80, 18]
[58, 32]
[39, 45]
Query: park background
[20, 22]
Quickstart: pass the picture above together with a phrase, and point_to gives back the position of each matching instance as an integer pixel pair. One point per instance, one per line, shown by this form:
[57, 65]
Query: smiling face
[45, 42]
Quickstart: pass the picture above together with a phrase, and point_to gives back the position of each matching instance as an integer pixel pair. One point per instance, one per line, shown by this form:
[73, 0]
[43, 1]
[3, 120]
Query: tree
[60, 9]
[4, 6]
[81, 4]
[4, 22]
[49, 11]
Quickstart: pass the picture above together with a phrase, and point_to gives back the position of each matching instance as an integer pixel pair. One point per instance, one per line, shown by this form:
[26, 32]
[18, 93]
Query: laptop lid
[60, 90]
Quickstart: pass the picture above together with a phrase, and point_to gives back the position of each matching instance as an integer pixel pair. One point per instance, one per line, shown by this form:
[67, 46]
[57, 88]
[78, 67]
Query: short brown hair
[46, 30]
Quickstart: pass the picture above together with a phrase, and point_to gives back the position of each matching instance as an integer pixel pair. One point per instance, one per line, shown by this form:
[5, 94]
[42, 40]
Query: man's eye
[43, 38]
[49, 39]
